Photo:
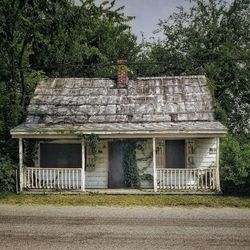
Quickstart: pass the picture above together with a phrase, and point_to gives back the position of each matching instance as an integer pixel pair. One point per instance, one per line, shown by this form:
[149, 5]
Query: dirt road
[33, 227]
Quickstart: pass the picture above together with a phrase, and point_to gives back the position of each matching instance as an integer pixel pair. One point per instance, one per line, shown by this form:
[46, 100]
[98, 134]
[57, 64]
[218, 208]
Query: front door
[116, 172]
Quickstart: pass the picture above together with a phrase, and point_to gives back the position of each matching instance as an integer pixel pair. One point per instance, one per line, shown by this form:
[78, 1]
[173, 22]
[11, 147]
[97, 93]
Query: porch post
[217, 163]
[83, 167]
[154, 165]
[20, 164]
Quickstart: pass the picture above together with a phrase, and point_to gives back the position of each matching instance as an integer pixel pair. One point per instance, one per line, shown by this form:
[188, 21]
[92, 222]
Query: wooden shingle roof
[150, 102]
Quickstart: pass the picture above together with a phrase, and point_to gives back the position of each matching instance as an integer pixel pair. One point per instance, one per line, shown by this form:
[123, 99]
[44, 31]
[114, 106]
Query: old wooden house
[170, 120]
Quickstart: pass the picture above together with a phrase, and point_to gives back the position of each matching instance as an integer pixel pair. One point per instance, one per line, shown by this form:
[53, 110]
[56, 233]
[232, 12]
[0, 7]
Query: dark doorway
[54, 155]
[175, 154]
[116, 172]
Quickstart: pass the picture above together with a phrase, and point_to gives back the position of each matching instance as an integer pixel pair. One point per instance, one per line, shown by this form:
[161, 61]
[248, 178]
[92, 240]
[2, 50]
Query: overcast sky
[148, 13]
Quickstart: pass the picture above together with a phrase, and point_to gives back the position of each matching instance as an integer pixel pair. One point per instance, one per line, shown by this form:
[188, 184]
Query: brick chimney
[122, 74]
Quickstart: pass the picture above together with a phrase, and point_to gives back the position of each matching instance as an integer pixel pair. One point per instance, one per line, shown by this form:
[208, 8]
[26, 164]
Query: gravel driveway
[47, 227]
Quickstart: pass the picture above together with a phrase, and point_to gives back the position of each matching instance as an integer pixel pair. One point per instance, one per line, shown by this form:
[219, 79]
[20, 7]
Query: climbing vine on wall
[131, 172]
[92, 142]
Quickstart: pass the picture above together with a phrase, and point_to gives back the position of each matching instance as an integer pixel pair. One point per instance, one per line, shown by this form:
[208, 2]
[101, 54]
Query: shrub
[7, 175]
[235, 166]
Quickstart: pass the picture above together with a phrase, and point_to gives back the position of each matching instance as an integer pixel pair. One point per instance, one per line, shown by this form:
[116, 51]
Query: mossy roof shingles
[150, 103]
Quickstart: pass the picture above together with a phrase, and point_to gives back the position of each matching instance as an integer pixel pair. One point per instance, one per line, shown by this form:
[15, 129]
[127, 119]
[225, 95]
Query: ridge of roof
[137, 78]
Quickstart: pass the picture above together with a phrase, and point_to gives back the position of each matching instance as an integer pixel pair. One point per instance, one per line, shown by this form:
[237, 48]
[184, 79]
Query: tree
[211, 38]
[54, 38]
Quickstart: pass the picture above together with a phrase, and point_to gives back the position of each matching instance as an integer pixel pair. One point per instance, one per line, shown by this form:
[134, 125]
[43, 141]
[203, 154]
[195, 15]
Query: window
[53, 155]
[175, 153]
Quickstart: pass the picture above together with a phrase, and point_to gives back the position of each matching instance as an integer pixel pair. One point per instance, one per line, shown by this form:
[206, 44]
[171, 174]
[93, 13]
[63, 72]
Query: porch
[200, 171]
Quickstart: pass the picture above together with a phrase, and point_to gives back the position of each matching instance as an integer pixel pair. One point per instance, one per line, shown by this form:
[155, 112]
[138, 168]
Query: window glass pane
[54, 155]
[175, 154]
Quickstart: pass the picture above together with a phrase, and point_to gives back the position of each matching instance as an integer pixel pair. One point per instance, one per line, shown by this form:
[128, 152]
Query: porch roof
[180, 129]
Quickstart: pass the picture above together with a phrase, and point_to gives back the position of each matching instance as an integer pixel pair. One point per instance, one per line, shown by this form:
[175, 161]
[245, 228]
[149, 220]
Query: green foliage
[235, 166]
[207, 39]
[211, 38]
[92, 142]
[57, 39]
[7, 174]
[131, 172]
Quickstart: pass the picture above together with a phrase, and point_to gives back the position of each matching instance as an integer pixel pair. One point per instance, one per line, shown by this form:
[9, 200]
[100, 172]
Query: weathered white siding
[201, 153]
[98, 178]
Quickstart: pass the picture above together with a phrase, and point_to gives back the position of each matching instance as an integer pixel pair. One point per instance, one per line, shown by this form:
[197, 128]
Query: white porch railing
[181, 179]
[52, 178]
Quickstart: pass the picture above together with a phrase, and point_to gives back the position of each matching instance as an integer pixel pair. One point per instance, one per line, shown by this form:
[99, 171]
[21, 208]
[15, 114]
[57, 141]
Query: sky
[148, 13]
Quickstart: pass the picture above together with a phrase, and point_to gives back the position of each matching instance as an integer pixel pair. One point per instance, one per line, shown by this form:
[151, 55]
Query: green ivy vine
[131, 171]
[91, 141]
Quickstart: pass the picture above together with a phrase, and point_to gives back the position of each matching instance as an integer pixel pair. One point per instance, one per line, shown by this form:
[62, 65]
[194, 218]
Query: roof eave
[119, 134]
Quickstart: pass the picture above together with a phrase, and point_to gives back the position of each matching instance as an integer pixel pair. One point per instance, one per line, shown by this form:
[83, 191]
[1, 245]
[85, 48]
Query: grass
[126, 200]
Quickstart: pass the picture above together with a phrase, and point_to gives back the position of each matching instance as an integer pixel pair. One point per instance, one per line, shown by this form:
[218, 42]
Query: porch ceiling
[153, 129]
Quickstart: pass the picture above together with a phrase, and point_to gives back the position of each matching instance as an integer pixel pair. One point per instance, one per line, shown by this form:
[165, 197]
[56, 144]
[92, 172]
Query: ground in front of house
[125, 200]
[67, 227]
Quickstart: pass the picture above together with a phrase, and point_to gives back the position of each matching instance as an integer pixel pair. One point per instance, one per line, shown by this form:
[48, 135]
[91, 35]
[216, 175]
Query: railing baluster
[193, 174]
[175, 179]
[186, 179]
[162, 176]
[158, 179]
[39, 179]
[24, 177]
[210, 178]
[47, 178]
[196, 183]
[206, 178]
[166, 176]
[59, 177]
[77, 180]
[42, 177]
[194, 179]
[69, 179]
[171, 179]
[27, 178]
[32, 179]
[214, 178]
[190, 178]
[198, 178]
[73, 179]
[51, 178]
[62, 178]
[182, 179]
[179, 184]
[36, 178]
[202, 182]
[164, 179]
[54, 179]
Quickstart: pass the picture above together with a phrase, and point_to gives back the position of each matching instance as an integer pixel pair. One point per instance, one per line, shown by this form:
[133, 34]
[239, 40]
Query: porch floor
[122, 191]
